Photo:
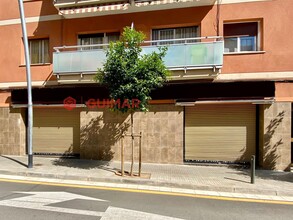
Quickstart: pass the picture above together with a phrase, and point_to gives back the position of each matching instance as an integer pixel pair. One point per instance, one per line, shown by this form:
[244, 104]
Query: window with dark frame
[39, 51]
[94, 39]
[174, 33]
[241, 37]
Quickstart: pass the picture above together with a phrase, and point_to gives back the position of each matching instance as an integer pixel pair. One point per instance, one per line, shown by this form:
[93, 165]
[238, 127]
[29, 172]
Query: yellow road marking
[150, 192]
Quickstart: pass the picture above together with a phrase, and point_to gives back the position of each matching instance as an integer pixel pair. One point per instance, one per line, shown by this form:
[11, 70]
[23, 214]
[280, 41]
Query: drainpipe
[218, 16]
[29, 86]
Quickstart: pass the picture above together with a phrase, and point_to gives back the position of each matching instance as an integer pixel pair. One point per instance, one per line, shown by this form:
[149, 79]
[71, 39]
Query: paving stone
[195, 178]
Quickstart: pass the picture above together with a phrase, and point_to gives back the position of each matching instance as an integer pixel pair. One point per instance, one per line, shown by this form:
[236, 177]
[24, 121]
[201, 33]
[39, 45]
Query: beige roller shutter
[220, 132]
[56, 131]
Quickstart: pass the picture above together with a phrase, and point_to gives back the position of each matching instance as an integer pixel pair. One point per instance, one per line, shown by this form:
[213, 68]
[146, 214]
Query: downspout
[218, 16]
[29, 86]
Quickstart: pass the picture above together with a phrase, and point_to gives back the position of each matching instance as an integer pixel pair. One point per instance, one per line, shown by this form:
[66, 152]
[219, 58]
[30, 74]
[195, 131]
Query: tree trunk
[132, 146]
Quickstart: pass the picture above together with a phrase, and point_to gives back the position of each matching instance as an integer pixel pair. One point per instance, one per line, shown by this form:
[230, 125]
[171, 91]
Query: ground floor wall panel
[275, 136]
[161, 127]
[214, 132]
[12, 131]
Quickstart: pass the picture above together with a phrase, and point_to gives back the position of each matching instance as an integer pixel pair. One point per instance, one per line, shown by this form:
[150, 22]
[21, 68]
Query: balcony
[183, 58]
[88, 8]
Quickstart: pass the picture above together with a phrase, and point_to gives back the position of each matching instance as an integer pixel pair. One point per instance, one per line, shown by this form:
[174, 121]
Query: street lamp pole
[29, 87]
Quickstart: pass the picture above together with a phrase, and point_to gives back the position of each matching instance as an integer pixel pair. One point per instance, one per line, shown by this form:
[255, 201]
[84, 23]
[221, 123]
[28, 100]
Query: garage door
[56, 131]
[220, 132]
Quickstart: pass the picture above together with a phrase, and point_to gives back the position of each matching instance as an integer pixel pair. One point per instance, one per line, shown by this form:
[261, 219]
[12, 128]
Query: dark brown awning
[172, 91]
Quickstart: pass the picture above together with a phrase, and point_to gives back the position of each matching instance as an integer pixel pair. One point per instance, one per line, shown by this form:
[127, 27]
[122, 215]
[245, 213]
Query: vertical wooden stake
[139, 165]
[132, 146]
[122, 157]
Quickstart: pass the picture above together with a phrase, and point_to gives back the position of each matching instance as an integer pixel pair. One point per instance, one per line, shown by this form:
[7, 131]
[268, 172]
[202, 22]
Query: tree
[130, 75]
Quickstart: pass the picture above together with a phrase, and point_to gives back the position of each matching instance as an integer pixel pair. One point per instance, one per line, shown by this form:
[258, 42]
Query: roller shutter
[220, 132]
[56, 131]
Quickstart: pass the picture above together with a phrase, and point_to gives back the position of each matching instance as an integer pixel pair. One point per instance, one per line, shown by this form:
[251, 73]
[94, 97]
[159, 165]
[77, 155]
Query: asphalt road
[35, 201]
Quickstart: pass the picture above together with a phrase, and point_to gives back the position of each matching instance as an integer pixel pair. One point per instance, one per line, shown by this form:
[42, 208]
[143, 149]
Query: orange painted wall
[9, 8]
[145, 22]
[275, 14]
[284, 92]
[4, 99]
[12, 68]
[277, 36]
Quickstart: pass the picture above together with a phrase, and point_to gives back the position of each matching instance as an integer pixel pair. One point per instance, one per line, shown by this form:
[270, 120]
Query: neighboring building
[229, 97]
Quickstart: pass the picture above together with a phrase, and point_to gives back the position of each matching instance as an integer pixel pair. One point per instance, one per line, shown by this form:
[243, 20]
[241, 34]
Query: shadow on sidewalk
[242, 181]
[14, 160]
[266, 174]
[84, 164]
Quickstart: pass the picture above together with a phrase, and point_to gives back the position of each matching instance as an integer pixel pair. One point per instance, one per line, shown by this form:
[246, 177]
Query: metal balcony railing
[182, 54]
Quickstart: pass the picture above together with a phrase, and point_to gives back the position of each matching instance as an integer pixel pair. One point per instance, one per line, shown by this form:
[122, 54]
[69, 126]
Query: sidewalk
[206, 178]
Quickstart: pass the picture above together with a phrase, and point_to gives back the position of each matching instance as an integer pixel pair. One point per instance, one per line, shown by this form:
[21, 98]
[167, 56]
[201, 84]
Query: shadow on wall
[97, 137]
[270, 155]
[8, 100]
[101, 133]
[270, 145]
[245, 157]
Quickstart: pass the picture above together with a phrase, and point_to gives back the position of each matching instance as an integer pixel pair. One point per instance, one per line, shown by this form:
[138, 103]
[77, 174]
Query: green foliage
[129, 74]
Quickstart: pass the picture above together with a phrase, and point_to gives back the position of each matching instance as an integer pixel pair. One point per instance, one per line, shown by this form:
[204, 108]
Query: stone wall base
[12, 131]
[161, 127]
[162, 134]
[275, 136]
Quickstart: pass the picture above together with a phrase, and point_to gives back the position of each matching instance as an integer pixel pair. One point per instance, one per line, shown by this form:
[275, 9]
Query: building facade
[229, 96]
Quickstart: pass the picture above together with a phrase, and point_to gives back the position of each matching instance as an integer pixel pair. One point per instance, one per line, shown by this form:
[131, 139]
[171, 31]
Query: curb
[126, 180]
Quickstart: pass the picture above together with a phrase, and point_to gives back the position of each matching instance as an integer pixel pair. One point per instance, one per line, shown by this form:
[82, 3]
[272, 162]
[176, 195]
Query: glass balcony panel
[80, 61]
[218, 53]
[204, 54]
[175, 54]
[195, 55]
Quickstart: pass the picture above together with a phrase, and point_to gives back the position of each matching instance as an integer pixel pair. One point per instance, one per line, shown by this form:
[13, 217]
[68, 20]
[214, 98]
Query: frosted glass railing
[196, 55]
[78, 61]
[181, 56]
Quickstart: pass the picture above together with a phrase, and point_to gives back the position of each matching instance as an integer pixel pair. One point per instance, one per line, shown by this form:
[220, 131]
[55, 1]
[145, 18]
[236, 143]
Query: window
[39, 51]
[102, 38]
[174, 33]
[241, 37]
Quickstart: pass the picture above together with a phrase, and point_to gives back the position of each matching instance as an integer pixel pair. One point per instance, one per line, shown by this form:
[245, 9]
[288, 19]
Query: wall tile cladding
[275, 136]
[12, 131]
[161, 127]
